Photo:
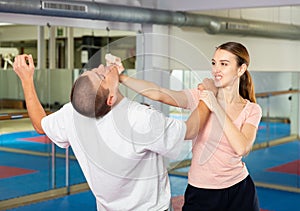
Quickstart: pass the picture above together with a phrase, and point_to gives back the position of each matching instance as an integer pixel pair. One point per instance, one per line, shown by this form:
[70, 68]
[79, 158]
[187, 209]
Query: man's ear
[242, 69]
[111, 100]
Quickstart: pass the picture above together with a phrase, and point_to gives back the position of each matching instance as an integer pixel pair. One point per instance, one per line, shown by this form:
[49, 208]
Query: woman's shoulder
[253, 107]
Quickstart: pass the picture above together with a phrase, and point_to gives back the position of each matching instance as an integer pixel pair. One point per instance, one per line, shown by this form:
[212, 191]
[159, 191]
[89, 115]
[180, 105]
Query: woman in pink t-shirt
[218, 179]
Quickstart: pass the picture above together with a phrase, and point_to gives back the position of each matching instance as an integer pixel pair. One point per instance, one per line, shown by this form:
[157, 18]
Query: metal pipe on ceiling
[120, 13]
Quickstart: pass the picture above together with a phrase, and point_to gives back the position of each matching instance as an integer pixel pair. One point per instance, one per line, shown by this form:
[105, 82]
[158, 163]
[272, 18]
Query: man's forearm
[197, 120]
[34, 108]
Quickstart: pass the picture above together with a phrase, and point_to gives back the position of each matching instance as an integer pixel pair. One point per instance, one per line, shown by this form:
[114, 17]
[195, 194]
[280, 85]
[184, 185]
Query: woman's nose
[215, 69]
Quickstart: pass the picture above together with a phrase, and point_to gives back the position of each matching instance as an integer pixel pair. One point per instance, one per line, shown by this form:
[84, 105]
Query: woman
[218, 179]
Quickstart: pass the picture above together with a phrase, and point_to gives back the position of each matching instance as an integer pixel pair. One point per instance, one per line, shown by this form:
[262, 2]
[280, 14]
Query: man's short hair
[89, 100]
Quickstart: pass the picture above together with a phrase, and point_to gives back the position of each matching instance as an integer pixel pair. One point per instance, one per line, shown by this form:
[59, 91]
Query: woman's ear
[242, 69]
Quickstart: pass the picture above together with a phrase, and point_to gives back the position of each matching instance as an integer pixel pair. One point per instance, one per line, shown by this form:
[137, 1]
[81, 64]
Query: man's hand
[113, 60]
[24, 67]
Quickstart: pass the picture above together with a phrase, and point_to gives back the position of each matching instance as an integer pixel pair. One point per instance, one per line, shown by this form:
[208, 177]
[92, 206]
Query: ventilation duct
[119, 13]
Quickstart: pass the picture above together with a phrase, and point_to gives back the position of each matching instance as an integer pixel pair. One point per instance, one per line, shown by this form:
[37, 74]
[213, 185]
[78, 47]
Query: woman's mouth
[218, 77]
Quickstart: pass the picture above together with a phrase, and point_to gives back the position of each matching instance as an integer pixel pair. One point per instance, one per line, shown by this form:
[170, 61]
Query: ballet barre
[16, 115]
[275, 93]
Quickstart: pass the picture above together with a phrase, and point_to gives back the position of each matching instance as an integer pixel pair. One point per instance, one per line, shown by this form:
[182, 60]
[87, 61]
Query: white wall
[192, 48]
[29, 32]
[272, 60]
[58, 90]
[265, 54]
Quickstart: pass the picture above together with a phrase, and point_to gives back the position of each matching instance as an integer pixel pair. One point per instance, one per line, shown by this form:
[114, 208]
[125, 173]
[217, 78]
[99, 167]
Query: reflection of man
[117, 142]
[7, 55]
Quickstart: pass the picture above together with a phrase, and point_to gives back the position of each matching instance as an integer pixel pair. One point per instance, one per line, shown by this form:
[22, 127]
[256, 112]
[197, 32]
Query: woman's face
[107, 77]
[224, 68]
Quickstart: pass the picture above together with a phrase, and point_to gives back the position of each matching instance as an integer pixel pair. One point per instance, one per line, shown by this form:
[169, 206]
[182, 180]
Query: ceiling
[200, 5]
[195, 6]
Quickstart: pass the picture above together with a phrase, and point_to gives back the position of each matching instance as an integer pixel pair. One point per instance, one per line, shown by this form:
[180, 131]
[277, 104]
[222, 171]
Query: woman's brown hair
[246, 87]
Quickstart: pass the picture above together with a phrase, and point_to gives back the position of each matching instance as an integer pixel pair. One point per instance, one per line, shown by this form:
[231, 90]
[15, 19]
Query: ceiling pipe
[120, 13]
[219, 25]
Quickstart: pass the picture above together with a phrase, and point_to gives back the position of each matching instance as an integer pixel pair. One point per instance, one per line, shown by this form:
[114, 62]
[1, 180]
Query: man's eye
[213, 63]
[101, 76]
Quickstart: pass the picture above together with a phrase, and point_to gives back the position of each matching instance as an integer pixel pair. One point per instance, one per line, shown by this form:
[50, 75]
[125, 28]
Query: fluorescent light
[6, 24]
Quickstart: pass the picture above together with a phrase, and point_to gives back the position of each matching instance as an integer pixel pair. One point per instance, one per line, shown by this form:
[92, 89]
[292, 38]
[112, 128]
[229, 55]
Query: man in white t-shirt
[118, 143]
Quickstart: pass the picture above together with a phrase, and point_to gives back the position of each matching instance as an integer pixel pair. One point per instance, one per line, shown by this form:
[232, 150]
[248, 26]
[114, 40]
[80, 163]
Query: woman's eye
[213, 63]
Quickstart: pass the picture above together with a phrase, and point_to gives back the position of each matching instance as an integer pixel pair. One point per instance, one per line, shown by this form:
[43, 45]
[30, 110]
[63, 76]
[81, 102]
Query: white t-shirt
[121, 153]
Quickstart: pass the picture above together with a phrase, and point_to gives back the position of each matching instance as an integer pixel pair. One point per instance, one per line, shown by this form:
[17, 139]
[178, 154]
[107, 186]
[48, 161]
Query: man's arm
[197, 120]
[24, 68]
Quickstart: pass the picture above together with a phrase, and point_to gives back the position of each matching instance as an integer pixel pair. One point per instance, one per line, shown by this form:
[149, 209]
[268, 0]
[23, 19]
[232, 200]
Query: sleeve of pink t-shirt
[255, 114]
[193, 96]
[254, 110]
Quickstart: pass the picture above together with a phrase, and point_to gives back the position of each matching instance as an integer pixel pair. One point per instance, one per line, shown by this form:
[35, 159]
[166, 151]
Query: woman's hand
[209, 84]
[209, 98]
[114, 60]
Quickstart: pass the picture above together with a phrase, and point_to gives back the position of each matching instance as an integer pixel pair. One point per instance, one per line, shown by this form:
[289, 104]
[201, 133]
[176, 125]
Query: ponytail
[246, 88]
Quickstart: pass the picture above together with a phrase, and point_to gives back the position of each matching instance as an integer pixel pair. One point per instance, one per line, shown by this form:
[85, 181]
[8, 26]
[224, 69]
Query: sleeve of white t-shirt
[167, 136]
[54, 127]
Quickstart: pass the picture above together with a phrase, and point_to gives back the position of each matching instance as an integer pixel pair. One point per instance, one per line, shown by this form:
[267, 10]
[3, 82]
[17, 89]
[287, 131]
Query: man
[118, 143]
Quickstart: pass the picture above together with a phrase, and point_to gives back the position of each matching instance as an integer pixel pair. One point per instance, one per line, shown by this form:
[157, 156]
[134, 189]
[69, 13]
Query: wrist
[121, 78]
[27, 82]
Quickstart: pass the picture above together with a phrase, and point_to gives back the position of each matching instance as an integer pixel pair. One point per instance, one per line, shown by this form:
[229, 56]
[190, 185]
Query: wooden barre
[17, 115]
[21, 115]
[274, 93]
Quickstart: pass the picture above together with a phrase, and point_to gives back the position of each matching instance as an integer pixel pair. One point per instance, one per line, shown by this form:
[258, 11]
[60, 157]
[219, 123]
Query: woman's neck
[229, 96]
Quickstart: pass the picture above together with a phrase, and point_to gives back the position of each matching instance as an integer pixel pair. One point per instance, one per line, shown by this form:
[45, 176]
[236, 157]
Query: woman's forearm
[197, 120]
[240, 140]
[155, 92]
[145, 88]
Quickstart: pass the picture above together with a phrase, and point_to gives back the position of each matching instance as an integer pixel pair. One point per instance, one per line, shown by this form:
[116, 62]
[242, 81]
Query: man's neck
[120, 97]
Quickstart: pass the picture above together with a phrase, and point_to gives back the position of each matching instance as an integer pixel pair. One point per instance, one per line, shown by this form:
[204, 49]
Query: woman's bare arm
[155, 92]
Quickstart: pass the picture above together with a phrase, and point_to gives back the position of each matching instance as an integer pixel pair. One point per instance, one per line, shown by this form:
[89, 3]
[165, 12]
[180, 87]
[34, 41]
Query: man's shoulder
[138, 111]
[65, 109]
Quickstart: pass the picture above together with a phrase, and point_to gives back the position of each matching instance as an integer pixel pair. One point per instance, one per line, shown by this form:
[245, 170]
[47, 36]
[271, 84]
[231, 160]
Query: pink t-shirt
[214, 164]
